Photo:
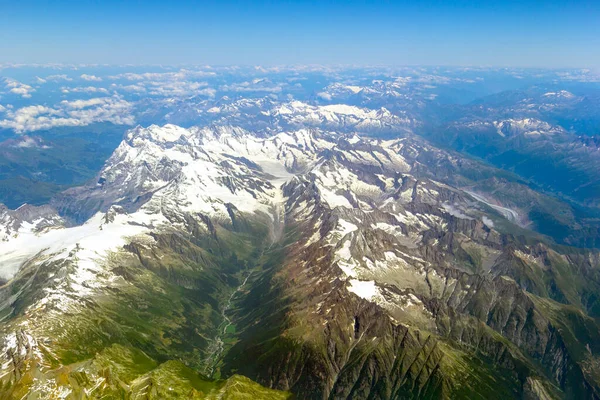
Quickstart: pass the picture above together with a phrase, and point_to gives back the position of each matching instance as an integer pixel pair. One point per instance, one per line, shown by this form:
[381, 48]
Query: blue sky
[496, 33]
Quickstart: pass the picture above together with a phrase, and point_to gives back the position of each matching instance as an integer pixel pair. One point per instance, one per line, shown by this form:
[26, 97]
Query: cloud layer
[69, 113]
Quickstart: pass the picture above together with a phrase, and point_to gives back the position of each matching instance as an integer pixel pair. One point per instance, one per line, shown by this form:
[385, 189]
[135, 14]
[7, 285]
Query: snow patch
[364, 289]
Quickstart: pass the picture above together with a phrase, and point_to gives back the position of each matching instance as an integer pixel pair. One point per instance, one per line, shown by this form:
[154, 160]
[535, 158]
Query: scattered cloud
[135, 88]
[91, 78]
[88, 89]
[19, 88]
[79, 104]
[584, 75]
[28, 142]
[57, 78]
[167, 84]
[33, 118]
[69, 113]
[256, 85]
[178, 88]
[104, 109]
[182, 74]
[209, 92]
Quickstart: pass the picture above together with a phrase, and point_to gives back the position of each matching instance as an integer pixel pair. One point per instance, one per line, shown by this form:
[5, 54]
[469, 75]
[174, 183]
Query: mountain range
[313, 261]
[345, 247]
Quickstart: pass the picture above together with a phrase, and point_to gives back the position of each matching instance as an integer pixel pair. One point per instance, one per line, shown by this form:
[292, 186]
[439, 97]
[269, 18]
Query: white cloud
[23, 91]
[33, 118]
[106, 109]
[210, 92]
[69, 113]
[91, 78]
[168, 84]
[89, 89]
[182, 74]
[178, 88]
[129, 88]
[56, 78]
[28, 142]
[19, 88]
[78, 104]
[257, 85]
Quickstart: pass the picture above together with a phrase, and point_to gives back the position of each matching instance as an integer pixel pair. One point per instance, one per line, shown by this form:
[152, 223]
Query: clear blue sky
[499, 33]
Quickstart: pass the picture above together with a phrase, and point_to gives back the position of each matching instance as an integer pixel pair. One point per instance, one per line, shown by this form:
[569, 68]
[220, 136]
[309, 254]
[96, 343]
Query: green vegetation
[120, 372]
[149, 334]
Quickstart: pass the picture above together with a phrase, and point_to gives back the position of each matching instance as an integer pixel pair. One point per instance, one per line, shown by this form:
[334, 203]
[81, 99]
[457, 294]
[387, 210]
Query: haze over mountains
[300, 231]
